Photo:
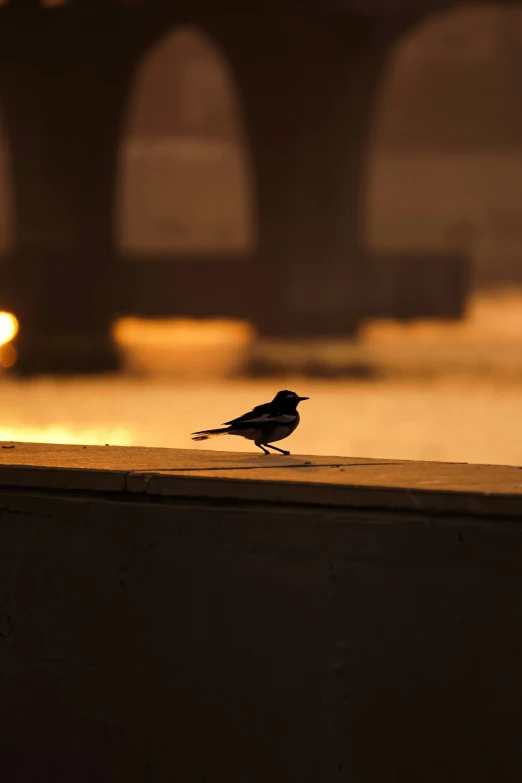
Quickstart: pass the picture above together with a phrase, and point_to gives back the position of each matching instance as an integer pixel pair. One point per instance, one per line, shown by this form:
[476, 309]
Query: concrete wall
[155, 638]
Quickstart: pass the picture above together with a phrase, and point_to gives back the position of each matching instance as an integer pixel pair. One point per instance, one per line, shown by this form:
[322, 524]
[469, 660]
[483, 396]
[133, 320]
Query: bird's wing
[255, 413]
[264, 414]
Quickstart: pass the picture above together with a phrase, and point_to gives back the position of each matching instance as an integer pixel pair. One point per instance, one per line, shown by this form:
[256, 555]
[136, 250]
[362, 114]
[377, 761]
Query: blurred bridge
[306, 73]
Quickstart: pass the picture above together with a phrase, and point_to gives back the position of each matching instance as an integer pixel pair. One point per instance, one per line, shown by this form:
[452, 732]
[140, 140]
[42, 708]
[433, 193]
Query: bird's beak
[303, 398]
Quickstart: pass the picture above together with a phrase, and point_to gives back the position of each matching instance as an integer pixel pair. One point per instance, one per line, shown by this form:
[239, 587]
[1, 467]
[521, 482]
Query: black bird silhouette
[264, 424]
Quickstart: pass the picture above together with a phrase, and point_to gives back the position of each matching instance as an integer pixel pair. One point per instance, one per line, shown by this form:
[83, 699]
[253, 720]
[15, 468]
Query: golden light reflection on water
[71, 436]
[489, 317]
[183, 347]
[487, 340]
[447, 420]
[422, 407]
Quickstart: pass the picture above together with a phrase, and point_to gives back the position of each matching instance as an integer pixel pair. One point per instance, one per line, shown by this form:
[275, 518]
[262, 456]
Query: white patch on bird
[291, 395]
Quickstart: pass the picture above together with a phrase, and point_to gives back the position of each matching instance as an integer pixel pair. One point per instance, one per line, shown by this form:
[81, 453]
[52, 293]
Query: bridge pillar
[63, 80]
[308, 89]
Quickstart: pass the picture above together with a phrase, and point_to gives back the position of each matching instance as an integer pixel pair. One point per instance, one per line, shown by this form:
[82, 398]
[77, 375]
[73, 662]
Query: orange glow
[496, 316]
[8, 356]
[171, 331]
[183, 347]
[8, 327]
[70, 435]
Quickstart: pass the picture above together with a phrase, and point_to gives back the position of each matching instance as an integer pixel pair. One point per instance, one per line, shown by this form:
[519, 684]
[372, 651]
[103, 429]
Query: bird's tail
[206, 434]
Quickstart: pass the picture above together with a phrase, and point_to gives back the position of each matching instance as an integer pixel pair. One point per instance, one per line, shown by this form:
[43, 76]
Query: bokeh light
[8, 327]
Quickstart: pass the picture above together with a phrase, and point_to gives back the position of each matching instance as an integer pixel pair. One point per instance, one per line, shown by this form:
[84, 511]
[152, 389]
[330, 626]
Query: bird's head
[288, 399]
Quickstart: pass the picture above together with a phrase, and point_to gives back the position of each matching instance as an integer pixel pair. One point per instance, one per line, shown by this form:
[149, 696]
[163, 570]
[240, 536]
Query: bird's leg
[269, 446]
[260, 446]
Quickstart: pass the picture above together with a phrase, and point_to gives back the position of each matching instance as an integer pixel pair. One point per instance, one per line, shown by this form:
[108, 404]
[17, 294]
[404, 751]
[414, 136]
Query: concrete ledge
[436, 487]
[198, 616]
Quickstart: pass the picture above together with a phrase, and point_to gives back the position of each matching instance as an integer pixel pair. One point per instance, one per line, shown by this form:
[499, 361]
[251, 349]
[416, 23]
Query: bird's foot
[281, 451]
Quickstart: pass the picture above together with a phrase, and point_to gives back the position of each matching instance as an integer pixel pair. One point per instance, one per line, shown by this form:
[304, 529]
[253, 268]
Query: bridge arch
[184, 205]
[446, 162]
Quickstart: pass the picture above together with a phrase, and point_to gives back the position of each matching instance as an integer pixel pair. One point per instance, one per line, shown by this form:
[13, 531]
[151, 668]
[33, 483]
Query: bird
[264, 424]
